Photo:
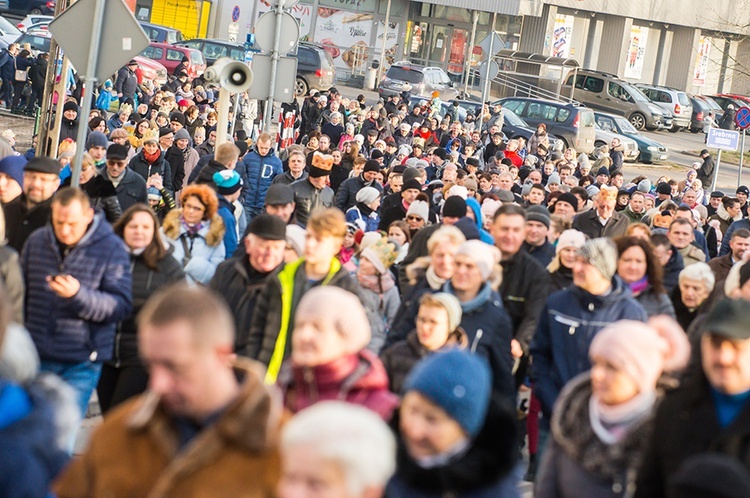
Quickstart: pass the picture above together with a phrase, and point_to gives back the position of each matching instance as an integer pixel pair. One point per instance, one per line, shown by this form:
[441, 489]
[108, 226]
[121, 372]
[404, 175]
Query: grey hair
[336, 115]
[351, 436]
[700, 272]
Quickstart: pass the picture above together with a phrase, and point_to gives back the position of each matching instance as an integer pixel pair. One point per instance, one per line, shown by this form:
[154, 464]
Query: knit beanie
[454, 207]
[710, 474]
[554, 178]
[183, 134]
[592, 191]
[456, 381]
[96, 139]
[371, 165]
[227, 181]
[569, 198]
[419, 208]
[644, 186]
[642, 351]
[295, 238]
[601, 253]
[452, 307]
[348, 317]
[368, 239]
[153, 194]
[526, 189]
[570, 238]
[367, 195]
[457, 191]
[489, 208]
[485, 256]
[70, 106]
[538, 214]
[13, 167]
[411, 173]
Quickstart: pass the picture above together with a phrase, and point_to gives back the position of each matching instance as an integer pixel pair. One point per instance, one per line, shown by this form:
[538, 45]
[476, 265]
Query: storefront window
[452, 13]
[356, 5]
[398, 7]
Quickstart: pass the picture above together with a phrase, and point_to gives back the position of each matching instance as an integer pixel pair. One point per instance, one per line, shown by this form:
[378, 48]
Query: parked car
[651, 151]
[38, 40]
[161, 34]
[605, 137]
[26, 7]
[514, 127]
[213, 49]
[170, 57]
[8, 33]
[702, 105]
[606, 92]
[724, 100]
[150, 70]
[33, 21]
[464, 106]
[419, 80]
[315, 69]
[671, 100]
[572, 123]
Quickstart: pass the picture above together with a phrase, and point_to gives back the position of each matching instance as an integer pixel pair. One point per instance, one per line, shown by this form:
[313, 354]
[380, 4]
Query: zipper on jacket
[474, 344]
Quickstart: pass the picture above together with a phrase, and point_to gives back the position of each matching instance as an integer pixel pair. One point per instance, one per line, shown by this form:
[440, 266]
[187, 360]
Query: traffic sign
[722, 139]
[286, 77]
[236, 13]
[497, 44]
[742, 118]
[122, 38]
[266, 27]
[494, 69]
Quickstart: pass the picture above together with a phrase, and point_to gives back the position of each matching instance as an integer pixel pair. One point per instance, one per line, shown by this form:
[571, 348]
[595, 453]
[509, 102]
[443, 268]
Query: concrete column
[741, 80]
[614, 44]
[682, 57]
[593, 42]
[537, 31]
[662, 57]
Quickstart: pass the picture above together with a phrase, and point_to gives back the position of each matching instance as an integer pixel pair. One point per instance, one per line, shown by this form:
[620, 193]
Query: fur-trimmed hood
[722, 213]
[572, 431]
[417, 269]
[213, 232]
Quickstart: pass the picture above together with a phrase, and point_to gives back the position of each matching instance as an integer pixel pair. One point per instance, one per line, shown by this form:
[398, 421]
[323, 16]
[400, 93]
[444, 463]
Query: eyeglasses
[414, 218]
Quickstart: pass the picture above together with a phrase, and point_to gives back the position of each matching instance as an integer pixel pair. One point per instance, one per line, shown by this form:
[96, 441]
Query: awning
[535, 58]
[506, 7]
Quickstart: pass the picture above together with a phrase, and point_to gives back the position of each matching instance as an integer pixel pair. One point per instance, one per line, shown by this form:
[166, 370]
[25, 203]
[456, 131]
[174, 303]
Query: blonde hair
[329, 221]
[446, 233]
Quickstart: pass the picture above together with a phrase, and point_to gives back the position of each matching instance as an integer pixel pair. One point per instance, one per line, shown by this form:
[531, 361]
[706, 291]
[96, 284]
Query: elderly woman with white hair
[334, 129]
[691, 297]
[336, 449]
[329, 359]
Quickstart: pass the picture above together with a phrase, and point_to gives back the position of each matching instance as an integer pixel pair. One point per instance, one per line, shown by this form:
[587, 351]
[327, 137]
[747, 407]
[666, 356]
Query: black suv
[315, 69]
[213, 49]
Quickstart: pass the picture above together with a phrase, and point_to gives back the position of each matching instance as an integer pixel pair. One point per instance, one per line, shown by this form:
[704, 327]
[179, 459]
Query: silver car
[418, 80]
[676, 102]
[604, 137]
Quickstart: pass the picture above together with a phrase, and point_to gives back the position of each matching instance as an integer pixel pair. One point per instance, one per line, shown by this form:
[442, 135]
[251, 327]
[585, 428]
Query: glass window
[587, 118]
[683, 98]
[214, 51]
[397, 8]
[592, 84]
[356, 5]
[562, 115]
[404, 74]
[605, 123]
[452, 13]
[663, 97]
[196, 57]
[515, 106]
[237, 54]
[618, 92]
[174, 55]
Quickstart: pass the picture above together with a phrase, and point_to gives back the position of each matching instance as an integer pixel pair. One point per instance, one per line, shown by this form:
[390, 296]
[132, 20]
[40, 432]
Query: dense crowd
[395, 305]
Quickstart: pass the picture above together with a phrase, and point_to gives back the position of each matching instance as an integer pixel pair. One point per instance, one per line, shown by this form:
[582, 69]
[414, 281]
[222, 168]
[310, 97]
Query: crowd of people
[395, 305]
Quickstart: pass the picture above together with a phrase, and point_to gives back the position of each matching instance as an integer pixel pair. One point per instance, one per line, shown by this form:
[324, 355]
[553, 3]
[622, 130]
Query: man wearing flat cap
[31, 209]
[710, 411]
[239, 280]
[603, 220]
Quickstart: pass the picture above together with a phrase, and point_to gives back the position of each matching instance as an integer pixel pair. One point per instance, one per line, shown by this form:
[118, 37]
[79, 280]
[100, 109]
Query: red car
[150, 70]
[170, 56]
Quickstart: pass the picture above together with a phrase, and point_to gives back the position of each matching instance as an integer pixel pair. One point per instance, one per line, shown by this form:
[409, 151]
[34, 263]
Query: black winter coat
[38, 73]
[176, 160]
[346, 196]
[145, 282]
[21, 221]
[240, 285]
[685, 425]
[160, 166]
[103, 196]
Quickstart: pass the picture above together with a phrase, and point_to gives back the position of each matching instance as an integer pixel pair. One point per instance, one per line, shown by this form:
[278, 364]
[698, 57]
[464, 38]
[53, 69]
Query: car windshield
[197, 57]
[404, 74]
[637, 95]
[513, 119]
[8, 27]
[625, 126]
[37, 42]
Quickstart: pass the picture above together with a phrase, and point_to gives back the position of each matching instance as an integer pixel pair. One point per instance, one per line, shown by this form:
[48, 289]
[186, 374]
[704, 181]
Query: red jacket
[514, 158]
[359, 379]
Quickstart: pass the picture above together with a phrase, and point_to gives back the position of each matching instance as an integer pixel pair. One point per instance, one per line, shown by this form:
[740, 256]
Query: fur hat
[319, 164]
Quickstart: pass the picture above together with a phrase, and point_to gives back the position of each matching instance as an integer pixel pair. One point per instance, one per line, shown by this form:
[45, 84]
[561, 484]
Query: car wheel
[638, 120]
[300, 87]
[35, 12]
[695, 130]
[675, 129]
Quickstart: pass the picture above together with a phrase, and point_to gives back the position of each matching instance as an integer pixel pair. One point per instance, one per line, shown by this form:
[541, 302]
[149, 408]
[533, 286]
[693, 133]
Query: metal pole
[385, 39]
[742, 156]
[274, 66]
[221, 125]
[486, 82]
[88, 86]
[49, 83]
[471, 52]
[235, 109]
[716, 171]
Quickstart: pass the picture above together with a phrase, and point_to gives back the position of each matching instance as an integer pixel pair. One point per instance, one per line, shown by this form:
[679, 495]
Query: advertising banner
[561, 36]
[701, 61]
[636, 53]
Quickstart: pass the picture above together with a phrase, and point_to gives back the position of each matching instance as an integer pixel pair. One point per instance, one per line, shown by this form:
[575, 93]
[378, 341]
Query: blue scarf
[482, 297]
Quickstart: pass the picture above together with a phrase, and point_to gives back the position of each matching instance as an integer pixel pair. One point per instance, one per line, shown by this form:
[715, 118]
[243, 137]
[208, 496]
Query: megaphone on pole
[230, 75]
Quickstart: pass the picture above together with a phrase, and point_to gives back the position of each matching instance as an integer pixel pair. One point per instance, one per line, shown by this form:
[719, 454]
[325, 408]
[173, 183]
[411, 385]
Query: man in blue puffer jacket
[262, 166]
[572, 317]
[78, 286]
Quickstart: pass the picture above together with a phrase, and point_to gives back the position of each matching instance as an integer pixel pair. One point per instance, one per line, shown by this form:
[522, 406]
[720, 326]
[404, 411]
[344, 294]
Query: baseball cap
[729, 319]
[279, 195]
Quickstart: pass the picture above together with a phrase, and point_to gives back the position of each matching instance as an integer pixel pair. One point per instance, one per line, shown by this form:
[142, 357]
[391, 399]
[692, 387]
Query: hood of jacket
[213, 233]
[722, 213]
